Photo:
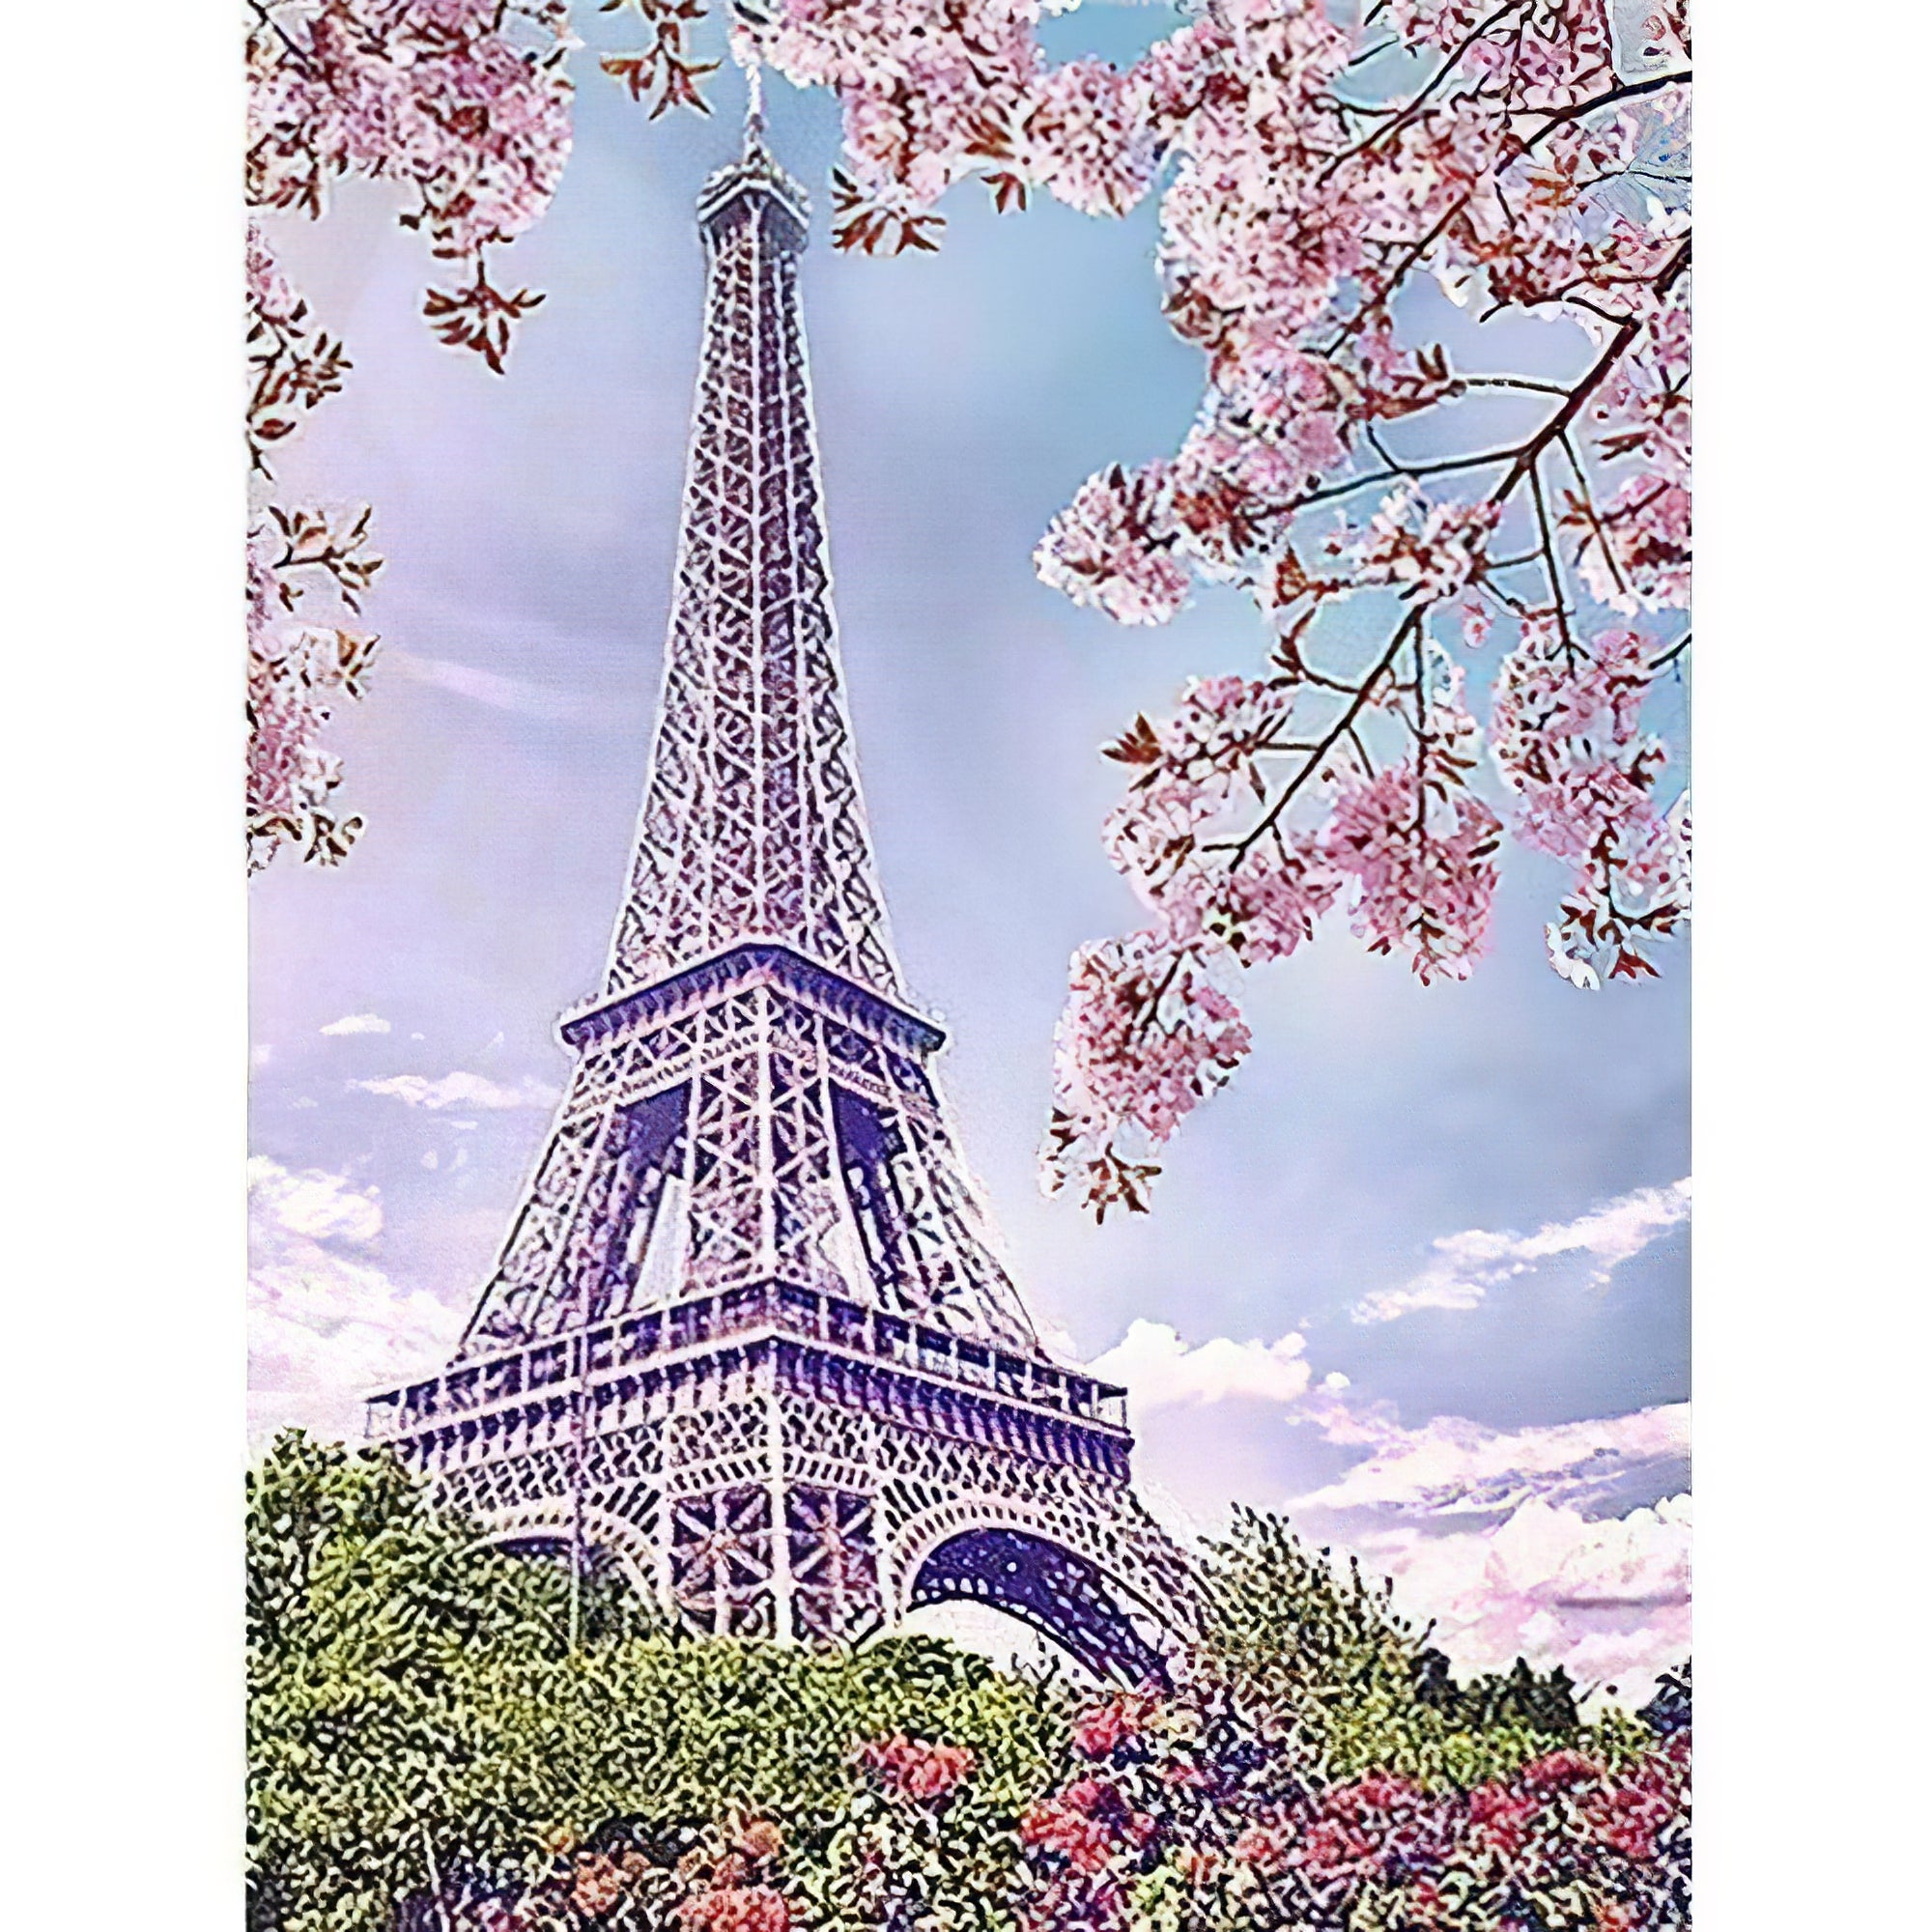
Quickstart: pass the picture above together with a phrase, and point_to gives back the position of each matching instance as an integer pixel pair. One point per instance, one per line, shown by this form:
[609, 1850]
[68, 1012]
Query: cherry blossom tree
[1391, 510]
[466, 107]
[1326, 172]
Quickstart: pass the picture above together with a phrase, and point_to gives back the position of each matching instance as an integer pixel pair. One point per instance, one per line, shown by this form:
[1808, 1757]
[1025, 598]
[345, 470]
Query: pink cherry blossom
[1105, 549]
[1316, 171]
[1566, 731]
[1145, 1038]
[298, 671]
[1268, 901]
[1633, 549]
[462, 101]
[1433, 552]
[293, 366]
[466, 107]
[1425, 871]
[1085, 142]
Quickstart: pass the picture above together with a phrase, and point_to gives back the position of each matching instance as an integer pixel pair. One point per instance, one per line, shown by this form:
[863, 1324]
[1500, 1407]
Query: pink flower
[1065, 1831]
[1433, 554]
[1144, 1038]
[914, 1771]
[298, 672]
[1105, 549]
[269, 296]
[748, 1907]
[1502, 1818]
[1297, 214]
[1559, 1770]
[1635, 552]
[1268, 901]
[1085, 1825]
[1424, 868]
[1629, 1817]
[1266, 1847]
[1100, 1730]
[1565, 731]
[1087, 143]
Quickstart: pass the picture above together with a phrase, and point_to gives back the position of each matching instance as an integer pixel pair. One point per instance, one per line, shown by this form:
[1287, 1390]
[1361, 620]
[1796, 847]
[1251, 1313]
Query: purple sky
[1420, 1275]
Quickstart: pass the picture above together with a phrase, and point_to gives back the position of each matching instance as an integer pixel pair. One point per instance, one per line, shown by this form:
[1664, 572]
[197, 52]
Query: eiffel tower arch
[749, 1335]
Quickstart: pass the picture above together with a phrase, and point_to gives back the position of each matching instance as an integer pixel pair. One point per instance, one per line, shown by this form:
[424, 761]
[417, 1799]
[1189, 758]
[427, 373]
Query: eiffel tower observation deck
[748, 1339]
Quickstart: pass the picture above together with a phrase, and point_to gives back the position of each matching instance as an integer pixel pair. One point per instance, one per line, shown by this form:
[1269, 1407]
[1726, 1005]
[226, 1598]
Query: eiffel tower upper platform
[747, 1334]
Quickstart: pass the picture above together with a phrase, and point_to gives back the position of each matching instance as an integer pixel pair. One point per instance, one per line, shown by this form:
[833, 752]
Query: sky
[1419, 1277]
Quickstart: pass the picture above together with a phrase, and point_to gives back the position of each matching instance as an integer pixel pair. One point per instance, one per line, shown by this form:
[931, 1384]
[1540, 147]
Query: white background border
[125, 965]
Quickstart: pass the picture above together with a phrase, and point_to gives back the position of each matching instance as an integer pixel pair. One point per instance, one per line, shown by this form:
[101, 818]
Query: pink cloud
[326, 1324]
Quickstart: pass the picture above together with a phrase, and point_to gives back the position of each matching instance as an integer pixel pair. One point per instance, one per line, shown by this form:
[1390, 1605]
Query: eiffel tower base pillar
[783, 1511]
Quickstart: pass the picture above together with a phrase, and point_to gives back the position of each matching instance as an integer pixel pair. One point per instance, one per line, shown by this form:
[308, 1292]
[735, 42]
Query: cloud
[1467, 1266]
[1607, 1596]
[326, 1324]
[493, 689]
[458, 1089]
[356, 1023]
[1160, 1371]
[1452, 1468]
[1567, 1543]
[312, 1204]
[1209, 1419]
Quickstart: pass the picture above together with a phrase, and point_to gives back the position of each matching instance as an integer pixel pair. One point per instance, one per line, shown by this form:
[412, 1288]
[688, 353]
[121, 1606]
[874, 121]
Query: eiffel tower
[748, 1339]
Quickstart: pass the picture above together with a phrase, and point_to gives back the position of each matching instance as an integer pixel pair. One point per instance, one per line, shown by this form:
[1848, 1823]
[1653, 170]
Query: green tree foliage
[415, 1704]
[1295, 1647]
[366, 1610]
[441, 1741]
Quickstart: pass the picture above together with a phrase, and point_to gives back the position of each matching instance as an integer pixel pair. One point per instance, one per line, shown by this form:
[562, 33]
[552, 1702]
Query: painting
[968, 812]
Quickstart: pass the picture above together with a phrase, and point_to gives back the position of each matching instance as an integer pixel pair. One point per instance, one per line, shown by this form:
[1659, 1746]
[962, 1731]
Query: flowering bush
[1192, 1823]
[429, 1753]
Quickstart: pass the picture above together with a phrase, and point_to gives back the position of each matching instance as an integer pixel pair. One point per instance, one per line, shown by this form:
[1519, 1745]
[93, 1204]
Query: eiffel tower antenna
[754, 104]
[750, 1337]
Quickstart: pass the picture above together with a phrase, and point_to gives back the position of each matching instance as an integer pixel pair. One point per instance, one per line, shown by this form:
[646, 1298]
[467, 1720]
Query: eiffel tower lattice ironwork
[748, 1335]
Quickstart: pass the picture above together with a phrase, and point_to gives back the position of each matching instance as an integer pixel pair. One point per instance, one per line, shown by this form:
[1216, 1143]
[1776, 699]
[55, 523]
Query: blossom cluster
[914, 1771]
[1151, 1028]
[1113, 1724]
[726, 1880]
[293, 363]
[735, 1907]
[1230, 1828]
[1566, 731]
[465, 104]
[933, 90]
[1144, 1037]
[1316, 178]
[298, 671]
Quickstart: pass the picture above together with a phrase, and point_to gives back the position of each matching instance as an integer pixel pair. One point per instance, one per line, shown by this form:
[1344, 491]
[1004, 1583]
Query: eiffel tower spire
[747, 1334]
[751, 1101]
[753, 826]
